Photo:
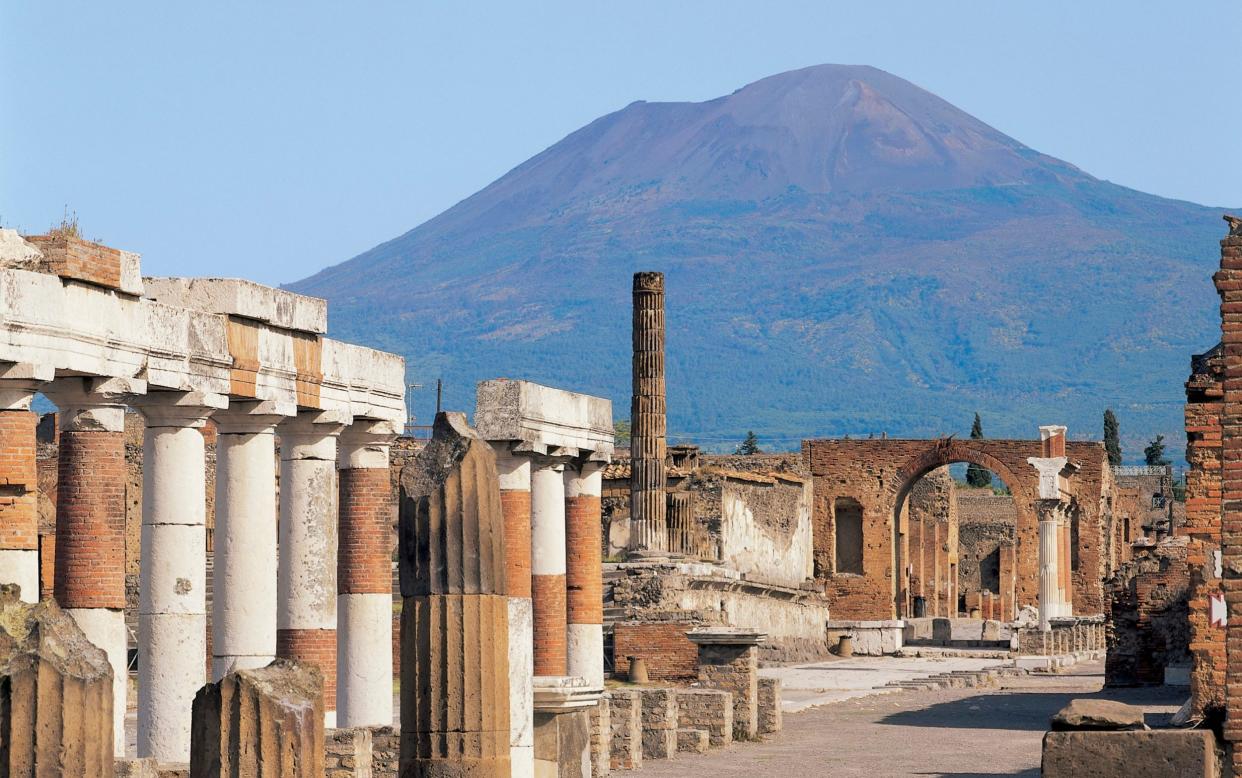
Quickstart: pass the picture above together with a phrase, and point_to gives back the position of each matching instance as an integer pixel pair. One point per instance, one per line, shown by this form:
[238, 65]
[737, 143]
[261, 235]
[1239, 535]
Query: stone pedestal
[563, 726]
[770, 718]
[260, 722]
[55, 693]
[243, 611]
[364, 577]
[172, 596]
[306, 588]
[729, 660]
[625, 716]
[455, 613]
[710, 710]
[659, 712]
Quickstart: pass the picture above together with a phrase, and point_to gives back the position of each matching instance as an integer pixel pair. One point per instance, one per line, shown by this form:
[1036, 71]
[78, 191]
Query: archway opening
[955, 548]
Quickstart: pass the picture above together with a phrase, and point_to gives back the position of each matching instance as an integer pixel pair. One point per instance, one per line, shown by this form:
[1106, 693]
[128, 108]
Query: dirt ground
[963, 733]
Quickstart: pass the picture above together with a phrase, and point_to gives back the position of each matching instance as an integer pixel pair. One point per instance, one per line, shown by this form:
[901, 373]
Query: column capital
[253, 417]
[93, 404]
[179, 409]
[364, 444]
[17, 394]
[316, 423]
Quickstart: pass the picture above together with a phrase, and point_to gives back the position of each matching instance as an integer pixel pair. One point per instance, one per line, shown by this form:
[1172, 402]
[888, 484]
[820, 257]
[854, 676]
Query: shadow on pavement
[1029, 711]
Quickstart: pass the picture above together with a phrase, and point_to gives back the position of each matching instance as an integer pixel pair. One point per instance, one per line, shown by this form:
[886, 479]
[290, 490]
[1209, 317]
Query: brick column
[513, 472]
[1229, 284]
[584, 576]
[548, 593]
[364, 577]
[90, 520]
[19, 488]
[172, 595]
[306, 588]
[243, 609]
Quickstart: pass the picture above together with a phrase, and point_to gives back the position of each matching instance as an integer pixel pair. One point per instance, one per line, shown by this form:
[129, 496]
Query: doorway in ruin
[954, 545]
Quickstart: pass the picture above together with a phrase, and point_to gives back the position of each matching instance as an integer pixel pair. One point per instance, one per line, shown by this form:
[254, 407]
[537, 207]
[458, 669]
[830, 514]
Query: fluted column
[513, 473]
[243, 611]
[648, 420]
[172, 593]
[1066, 568]
[306, 588]
[364, 577]
[19, 488]
[454, 618]
[584, 580]
[548, 593]
[90, 519]
[1048, 572]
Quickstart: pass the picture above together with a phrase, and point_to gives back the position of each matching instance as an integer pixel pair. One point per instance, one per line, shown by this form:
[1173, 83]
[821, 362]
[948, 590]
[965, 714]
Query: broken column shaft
[648, 417]
[455, 609]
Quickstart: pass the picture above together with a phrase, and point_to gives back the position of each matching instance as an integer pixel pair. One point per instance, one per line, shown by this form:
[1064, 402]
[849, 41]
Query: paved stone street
[959, 732]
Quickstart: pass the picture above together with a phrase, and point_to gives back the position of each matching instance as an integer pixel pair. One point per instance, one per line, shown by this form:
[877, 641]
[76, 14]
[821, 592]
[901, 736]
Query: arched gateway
[873, 477]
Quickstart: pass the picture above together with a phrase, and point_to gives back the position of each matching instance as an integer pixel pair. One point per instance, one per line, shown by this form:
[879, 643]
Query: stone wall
[765, 527]
[1147, 617]
[879, 473]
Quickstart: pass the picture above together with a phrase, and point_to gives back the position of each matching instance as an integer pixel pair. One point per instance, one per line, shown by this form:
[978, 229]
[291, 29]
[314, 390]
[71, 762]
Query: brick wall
[669, 654]
[1147, 616]
[879, 473]
[79, 259]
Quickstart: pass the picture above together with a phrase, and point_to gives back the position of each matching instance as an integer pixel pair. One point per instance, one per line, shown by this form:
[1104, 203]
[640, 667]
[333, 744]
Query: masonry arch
[912, 570]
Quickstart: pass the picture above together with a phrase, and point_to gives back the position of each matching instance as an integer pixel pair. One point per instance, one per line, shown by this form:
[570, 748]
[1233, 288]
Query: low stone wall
[707, 709]
[348, 753]
[625, 719]
[659, 716]
[770, 719]
[871, 638]
[1067, 636]
[1187, 753]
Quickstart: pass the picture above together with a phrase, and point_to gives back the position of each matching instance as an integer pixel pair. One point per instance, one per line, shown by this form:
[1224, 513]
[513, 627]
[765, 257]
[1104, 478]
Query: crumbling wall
[985, 522]
[765, 527]
[930, 527]
[1147, 616]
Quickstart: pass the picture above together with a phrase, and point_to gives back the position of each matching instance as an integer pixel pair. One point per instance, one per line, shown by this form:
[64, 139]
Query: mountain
[845, 253]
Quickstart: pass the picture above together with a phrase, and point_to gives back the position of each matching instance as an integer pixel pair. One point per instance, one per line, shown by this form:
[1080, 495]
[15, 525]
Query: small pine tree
[750, 445]
[621, 432]
[1154, 453]
[1112, 441]
[978, 477]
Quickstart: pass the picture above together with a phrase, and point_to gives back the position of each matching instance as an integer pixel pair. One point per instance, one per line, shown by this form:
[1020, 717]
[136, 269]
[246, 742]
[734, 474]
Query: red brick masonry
[90, 520]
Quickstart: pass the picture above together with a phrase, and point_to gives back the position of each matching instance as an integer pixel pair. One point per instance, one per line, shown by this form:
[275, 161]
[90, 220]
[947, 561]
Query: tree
[621, 432]
[1154, 453]
[1112, 443]
[749, 446]
[978, 477]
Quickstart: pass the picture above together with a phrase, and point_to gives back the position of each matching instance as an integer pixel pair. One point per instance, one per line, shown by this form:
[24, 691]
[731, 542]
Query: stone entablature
[543, 420]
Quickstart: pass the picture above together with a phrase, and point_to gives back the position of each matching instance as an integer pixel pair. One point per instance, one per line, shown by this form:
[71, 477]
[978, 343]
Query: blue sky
[269, 140]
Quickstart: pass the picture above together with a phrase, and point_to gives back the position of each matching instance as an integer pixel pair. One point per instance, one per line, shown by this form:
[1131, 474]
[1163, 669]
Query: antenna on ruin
[439, 390]
[410, 418]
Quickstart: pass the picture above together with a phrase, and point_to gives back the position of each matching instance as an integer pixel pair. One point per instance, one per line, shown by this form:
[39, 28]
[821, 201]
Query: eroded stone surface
[55, 693]
[1098, 715]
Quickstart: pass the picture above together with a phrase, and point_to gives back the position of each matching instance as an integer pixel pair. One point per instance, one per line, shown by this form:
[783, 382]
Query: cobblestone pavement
[959, 732]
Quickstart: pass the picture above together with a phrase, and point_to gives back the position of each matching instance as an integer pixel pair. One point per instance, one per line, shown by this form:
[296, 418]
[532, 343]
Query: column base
[563, 725]
[521, 689]
[585, 652]
[106, 629]
[364, 660]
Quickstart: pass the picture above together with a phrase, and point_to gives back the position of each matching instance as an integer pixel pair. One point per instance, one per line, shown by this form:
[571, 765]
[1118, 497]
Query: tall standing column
[513, 473]
[90, 520]
[547, 521]
[648, 418]
[243, 609]
[19, 488]
[172, 593]
[454, 615]
[364, 577]
[1048, 575]
[306, 588]
[584, 577]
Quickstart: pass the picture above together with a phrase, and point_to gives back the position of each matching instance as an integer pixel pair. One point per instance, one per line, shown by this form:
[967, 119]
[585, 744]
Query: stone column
[364, 577]
[1048, 574]
[455, 612]
[306, 582]
[548, 593]
[584, 577]
[172, 593]
[90, 520]
[1066, 569]
[513, 472]
[648, 422]
[243, 610]
[19, 488]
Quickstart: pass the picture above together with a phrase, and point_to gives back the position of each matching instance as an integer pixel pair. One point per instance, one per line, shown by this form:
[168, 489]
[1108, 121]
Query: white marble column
[172, 602]
[364, 576]
[1048, 573]
[584, 572]
[306, 582]
[243, 611]
[547, 524]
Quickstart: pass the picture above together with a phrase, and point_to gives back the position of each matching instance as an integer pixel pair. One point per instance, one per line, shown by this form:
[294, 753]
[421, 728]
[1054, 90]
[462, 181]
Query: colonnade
[1054, 508]
[273, 596]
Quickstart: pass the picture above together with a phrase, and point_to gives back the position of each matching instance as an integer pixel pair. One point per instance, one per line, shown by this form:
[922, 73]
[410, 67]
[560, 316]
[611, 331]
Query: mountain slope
[845, 253]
